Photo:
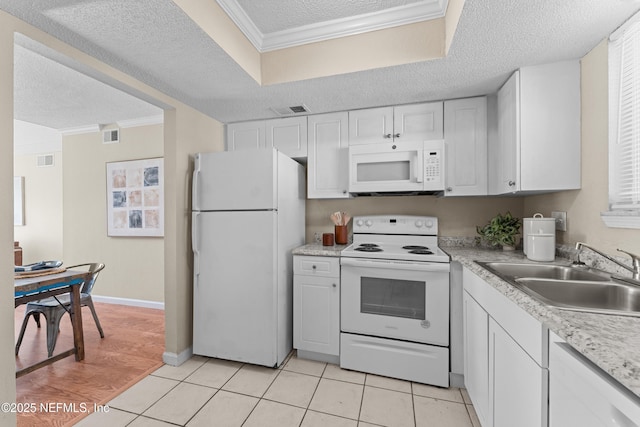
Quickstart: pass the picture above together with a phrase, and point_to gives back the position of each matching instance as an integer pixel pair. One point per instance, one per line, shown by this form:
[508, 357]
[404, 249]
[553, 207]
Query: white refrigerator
[248, 214]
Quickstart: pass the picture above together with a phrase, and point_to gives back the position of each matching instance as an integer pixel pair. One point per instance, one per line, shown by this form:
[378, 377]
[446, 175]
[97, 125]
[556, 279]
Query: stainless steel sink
[569, 287]
[510, 270]
[601, 297]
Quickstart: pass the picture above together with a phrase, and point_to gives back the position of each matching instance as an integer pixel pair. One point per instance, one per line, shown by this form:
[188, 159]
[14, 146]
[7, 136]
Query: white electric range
[395, 299]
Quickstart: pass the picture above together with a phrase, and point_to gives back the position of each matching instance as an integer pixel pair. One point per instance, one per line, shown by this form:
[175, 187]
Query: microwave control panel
[433, 165]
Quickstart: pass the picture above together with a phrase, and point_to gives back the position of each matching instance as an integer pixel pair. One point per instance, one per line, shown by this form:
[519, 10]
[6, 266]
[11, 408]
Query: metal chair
[54, 309]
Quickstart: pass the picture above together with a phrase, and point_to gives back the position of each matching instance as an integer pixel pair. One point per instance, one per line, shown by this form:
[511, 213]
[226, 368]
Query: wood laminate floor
[62, 393]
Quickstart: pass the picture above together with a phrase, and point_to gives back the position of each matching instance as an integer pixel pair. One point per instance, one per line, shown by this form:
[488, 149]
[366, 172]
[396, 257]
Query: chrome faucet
[634, 258]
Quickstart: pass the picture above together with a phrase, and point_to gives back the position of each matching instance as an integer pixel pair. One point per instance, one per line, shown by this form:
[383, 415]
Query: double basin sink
[571, 287]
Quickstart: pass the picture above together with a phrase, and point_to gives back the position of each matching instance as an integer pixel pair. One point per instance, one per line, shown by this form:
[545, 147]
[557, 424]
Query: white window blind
[624, 118]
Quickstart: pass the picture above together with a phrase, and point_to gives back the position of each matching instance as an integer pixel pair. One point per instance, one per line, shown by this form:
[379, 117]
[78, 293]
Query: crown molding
[142, 121]
[80, 129]
[393, 17]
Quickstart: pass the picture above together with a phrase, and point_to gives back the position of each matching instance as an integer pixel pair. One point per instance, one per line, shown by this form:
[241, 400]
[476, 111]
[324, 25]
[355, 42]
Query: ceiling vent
[45, 160]
[111, 136]
[288, 111]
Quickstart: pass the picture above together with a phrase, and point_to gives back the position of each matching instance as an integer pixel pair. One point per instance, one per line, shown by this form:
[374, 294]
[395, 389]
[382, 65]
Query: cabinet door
[465, 132]
[316, 314]
[288, 136]
[518, 388]
[476, 357]
[245, 136]
[550, 126]
[509, 136]
[328, 162]
[418, 122]
[371, 126]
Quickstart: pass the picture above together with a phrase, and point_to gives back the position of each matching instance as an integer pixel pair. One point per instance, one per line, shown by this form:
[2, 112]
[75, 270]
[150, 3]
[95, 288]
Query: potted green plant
[501, 231]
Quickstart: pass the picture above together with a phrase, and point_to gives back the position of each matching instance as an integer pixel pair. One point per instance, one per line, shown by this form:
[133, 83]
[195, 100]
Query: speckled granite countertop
[611, 342]
[316, 249]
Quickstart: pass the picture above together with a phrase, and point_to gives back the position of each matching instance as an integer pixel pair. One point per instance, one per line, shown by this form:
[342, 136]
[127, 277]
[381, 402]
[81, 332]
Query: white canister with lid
[537, 225]
[542, 247]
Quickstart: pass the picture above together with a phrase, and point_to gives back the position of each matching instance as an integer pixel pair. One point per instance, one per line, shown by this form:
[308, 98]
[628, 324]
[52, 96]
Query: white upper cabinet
[417, 122]
[327, 160]
[374, 125]
[465, 133]
[537, 148]
[245, 136]
[288, 136]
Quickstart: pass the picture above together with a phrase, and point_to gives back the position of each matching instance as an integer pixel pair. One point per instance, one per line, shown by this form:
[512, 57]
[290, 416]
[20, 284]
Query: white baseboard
[456, 380]
[174, 359]
[128, 301]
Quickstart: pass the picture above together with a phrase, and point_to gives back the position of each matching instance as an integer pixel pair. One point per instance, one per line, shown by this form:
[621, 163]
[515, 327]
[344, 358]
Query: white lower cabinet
[517, 384]
[505, 367]
[476, 357]
[582, 395]
[316, 307]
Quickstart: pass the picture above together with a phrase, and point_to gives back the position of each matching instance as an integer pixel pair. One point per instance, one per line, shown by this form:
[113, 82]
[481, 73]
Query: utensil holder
[342, 236]
[327, 239]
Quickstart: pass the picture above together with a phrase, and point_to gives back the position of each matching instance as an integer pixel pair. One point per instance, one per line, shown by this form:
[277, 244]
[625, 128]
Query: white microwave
[405, 167]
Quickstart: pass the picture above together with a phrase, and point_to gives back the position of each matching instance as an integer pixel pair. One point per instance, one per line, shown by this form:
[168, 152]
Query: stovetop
[396, 237]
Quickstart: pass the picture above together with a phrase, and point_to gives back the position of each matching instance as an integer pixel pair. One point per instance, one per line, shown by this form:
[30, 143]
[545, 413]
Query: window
[624, 127]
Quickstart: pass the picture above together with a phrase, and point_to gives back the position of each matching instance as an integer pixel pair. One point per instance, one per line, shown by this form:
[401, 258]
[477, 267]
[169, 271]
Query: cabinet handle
[313, 266]
[397, 135]
[334, 285]
[387, 135]
[449, 189]
[512, 183]
[344, 191]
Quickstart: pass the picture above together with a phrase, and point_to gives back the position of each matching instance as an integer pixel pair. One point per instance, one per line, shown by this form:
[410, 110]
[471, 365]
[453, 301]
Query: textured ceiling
[154, 41]
[72, 99]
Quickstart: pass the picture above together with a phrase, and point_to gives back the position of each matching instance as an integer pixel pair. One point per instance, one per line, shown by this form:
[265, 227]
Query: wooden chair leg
[95, 317]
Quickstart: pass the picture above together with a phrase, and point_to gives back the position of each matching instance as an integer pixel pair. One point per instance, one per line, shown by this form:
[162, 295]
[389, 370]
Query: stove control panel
[396, 224]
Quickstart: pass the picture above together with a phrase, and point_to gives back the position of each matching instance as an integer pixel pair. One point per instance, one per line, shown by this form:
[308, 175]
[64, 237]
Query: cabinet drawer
[316, 266]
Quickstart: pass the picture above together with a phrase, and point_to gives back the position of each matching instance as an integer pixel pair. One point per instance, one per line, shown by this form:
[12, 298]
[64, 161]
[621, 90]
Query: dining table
[44, 284]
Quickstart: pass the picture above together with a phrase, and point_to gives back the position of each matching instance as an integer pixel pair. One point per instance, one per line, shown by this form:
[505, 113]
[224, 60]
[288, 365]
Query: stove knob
[359, 223]
[429, 224]
[419, 223]
[369, 223]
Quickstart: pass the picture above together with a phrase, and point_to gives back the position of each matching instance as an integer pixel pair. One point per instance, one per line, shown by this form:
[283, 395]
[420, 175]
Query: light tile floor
[206, 392]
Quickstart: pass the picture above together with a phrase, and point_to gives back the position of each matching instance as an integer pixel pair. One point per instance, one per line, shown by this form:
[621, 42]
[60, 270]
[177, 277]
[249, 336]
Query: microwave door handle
[419, 174]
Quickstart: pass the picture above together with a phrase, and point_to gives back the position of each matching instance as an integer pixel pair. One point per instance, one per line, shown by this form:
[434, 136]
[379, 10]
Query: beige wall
[457, 216]
[133, 264]
[41, 236]
[583, 207]
[186, 133]
[7, 357]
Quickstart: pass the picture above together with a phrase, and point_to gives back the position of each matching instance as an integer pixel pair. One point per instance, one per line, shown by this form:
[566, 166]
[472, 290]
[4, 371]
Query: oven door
[395, 299]
[382, 168]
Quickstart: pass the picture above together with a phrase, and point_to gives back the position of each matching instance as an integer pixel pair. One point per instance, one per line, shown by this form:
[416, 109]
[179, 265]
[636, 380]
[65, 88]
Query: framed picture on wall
[135, 198]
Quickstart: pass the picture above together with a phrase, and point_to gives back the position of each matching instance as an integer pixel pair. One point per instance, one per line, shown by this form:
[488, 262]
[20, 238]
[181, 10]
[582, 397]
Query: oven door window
[393, 297]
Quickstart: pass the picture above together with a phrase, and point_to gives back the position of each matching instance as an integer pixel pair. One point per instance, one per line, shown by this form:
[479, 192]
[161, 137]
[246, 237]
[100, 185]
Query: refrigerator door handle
[194, 189]
[195, 243]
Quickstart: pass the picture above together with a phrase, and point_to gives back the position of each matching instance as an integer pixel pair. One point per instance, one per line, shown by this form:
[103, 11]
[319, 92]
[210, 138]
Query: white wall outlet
[561, 220]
